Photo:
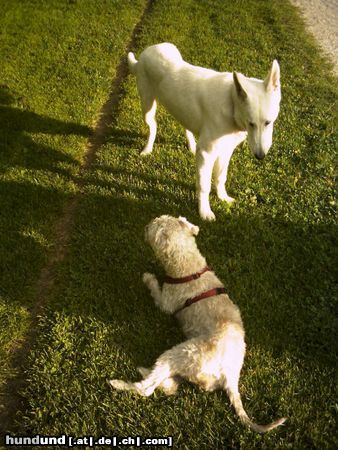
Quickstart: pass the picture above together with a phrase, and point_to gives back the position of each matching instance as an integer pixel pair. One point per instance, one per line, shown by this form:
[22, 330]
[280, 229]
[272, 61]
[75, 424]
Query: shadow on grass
[127, 138]
[123, 138]
[280, 275]
[164, 188]
[102, 323]
[26, 206]
[18, 149]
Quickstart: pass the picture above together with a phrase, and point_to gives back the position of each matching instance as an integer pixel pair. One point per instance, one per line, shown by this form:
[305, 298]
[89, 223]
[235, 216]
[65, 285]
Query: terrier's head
[169, 235]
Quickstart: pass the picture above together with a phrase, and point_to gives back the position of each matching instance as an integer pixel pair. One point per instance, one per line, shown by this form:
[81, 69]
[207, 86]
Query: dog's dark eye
[251, 124]
[267, 123]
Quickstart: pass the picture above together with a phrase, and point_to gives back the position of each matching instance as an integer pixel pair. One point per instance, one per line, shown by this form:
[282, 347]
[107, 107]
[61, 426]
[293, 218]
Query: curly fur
[213, 354]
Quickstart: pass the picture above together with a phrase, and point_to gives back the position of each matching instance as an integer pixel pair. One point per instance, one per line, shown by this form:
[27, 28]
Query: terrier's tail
[244, 418]
[132, 62]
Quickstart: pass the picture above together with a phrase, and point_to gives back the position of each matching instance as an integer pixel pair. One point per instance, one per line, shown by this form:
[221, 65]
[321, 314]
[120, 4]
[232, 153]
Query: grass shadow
[278, 273]
[35, 183]
[17, 126]
[102, 322]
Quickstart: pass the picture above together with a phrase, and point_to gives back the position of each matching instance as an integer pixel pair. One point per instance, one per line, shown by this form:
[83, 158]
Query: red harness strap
[206, 294]
[191, 277]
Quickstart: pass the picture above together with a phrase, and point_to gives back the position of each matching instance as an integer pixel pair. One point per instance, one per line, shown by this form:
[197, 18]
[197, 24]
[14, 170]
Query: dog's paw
[207, 215]
[146, 151]
[148, 278]
[120, 385]
[225, 197]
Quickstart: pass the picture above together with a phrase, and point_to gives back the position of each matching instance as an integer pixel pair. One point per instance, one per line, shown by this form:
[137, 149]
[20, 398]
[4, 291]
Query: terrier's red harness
[191, 277]
[194, 276]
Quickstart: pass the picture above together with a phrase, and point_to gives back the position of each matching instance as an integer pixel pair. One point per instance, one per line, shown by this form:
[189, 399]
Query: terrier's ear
[272, 81]
[194, 230]
[239, 88]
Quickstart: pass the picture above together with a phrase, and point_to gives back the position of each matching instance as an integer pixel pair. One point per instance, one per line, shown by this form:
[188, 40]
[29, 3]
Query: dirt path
[11, 400]
[321, 17]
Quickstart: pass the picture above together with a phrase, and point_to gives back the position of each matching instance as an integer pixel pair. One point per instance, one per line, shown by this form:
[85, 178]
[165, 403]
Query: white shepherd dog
[220, 108]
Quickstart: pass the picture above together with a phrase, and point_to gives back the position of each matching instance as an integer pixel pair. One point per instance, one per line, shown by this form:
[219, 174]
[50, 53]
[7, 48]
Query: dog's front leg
[221, 172]
[204, 164]
[151, 282]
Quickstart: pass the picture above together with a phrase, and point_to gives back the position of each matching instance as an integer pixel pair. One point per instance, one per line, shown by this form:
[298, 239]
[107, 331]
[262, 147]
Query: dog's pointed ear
[272, 81]
[239, 88]
[194, 230]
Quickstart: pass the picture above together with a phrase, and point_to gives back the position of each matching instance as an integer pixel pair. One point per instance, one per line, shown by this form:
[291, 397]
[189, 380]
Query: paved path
[321, 17]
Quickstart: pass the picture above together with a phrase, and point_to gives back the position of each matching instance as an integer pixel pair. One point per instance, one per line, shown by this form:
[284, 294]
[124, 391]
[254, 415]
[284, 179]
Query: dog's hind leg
[169, 385]
[159, 374]
[191, 141]
[149, 118]
[180, 360]
[220, 174]
[148, 104]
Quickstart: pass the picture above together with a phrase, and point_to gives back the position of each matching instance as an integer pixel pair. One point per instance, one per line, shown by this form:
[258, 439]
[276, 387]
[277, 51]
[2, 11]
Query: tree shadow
[17, 124]
[281, 275]
[28, 209]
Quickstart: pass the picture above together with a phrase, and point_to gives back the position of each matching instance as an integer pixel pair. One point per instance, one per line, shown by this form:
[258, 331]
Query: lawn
[55, 73]
[274, 248]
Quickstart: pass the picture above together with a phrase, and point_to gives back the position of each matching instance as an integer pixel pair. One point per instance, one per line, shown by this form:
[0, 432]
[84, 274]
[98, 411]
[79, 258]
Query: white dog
[213, 354]
[221, 108]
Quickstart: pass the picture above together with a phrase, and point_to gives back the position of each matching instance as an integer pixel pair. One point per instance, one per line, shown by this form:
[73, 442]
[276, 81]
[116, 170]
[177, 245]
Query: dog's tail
[132, 62]
[236, 402]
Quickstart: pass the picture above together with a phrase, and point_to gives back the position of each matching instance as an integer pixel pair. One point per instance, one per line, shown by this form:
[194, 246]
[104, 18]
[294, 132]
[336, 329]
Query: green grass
[58, 59]
[274, 250]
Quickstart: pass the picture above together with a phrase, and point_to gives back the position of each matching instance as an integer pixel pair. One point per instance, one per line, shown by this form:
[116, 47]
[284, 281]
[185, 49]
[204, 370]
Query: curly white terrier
[213, 354]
